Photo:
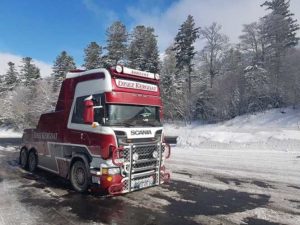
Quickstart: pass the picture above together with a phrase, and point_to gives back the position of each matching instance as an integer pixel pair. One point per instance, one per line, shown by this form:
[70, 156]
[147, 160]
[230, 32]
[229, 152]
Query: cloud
[231, 14]
[45, 68]
[100, 11]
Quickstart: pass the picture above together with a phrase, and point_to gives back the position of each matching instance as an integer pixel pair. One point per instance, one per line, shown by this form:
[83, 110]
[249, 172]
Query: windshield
[133, 115]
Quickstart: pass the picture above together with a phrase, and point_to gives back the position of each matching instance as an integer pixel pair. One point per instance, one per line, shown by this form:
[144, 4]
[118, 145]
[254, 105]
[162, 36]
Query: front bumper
[140, 172]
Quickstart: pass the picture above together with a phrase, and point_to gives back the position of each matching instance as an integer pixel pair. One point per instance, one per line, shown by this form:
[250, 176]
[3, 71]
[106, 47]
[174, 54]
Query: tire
[23, 158]
[32, 161]
[79, 176]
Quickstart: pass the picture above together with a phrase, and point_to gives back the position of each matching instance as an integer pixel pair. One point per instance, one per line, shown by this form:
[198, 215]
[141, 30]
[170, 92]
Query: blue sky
[42, 29]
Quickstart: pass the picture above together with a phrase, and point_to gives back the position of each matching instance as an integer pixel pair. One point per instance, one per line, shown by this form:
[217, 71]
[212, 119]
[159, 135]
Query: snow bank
[273, 127]
[9, 133]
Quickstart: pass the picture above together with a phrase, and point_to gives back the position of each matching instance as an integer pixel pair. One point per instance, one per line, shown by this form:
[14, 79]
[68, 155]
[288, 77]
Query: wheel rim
[23, 158]
[79, 176]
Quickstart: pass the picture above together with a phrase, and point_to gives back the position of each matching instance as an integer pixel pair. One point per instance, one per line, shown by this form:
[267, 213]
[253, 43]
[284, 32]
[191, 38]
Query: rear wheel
[32, 161]
[23, 158]
[79, 176]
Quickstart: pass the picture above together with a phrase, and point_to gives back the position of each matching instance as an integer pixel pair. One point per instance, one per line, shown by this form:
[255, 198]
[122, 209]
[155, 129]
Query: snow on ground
[277, 129]
[9, 133]
[258, 154]
[265, 146]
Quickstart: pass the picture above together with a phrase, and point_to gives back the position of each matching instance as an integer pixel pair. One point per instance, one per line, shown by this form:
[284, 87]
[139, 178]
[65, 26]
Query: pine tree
[116, 43]
[168, 84]
[93, 59]
[29, 73]
[62, 65]
[253, 43]
[11, 76]
[185, 52]
[143, 50]
[280, 30]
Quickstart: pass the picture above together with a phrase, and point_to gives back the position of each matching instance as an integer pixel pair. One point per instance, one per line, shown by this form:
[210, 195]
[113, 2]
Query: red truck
[105, 132]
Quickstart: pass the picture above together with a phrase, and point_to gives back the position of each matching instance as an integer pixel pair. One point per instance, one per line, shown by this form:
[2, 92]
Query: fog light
[135, 156]
[109, 178]
[155, 154]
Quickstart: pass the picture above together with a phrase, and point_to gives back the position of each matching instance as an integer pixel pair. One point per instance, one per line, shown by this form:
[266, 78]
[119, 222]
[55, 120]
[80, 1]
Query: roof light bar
[139, 73]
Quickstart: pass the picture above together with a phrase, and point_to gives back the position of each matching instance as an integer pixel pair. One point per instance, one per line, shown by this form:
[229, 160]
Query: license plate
[142, 183]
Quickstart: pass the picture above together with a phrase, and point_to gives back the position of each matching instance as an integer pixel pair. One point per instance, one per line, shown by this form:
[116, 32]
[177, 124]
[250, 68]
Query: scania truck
[105, 132]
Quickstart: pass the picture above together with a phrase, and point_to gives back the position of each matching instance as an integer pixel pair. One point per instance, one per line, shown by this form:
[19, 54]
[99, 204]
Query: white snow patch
[9, 133]
[278, 124]
[9, 149]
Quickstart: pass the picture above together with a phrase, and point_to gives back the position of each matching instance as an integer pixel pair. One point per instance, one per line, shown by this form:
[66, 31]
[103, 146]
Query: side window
[77, 116]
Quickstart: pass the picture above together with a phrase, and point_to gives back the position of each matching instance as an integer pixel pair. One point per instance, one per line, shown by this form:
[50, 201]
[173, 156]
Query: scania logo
[141, 132]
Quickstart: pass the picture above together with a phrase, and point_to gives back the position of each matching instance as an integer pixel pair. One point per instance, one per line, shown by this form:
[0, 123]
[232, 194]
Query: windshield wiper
[126, 124]
[144, 123]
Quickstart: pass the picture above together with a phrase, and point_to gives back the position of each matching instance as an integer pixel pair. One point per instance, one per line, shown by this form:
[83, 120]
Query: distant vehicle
[105, 132]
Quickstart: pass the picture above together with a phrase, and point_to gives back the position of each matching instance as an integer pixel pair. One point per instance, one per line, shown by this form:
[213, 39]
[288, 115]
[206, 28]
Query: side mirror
[88, 112]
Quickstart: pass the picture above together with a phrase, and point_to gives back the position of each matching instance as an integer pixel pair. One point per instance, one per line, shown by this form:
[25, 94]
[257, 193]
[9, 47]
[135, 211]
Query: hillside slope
[277, 129]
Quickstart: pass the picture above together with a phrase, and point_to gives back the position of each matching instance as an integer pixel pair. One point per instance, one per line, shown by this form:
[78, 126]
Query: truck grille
[141, 169]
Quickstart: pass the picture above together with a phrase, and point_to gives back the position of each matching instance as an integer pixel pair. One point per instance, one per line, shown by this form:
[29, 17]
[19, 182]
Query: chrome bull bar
[141, 167]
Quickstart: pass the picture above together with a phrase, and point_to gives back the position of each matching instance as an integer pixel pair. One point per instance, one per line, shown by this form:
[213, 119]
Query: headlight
[113, 171]
[110, 171]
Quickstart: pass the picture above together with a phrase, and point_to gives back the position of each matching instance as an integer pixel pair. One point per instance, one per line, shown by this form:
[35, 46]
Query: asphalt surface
[44, 198]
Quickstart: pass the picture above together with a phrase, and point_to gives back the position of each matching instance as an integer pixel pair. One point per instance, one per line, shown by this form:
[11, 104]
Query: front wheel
[79, 176]
[24, 158]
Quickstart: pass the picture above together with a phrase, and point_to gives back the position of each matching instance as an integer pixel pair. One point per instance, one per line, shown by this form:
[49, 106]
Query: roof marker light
[119, 69]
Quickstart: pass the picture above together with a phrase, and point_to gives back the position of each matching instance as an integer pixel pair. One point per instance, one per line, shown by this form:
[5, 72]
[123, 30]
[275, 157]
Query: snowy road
[215, 187]
[272, 174]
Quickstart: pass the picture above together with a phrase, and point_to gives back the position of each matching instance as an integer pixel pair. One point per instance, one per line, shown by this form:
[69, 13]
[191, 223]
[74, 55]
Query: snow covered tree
[116, 43]
[93, 58]
[257, 91]
[168, 84]
[185, 52]
[253, 43]
[184, 47]
[215, 44]
[143, 50]
[29, 73]
[151, 54]
[280, 32]
[62, 64]
[43, 101]
[291, 85]
[11, 76]
[227, 94]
